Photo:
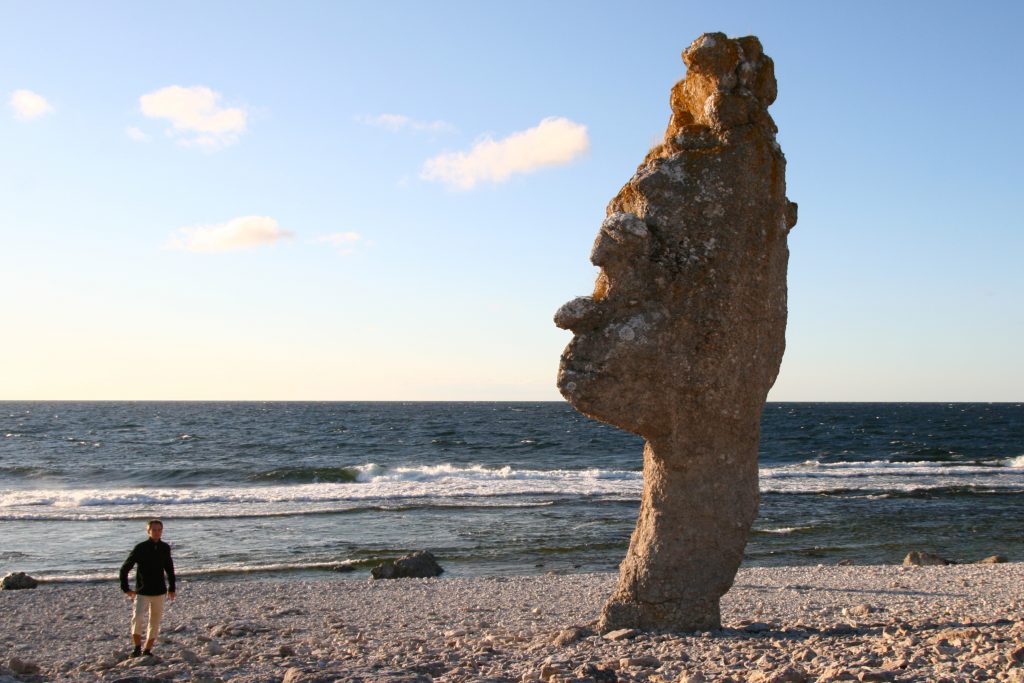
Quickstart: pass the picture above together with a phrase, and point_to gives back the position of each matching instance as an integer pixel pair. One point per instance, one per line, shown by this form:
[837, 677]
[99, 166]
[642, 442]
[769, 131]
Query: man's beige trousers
[154, 605]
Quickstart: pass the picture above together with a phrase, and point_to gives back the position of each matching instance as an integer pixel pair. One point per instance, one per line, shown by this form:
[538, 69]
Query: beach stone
[418, 565]
[787, 674]
[568, 636]
[861, 610]
[22, 667]
[994, 559]
[597, 673]
[547, 671]
[757, 627]
[684, 333]
[17, 581]
[876, 675]
[919, 558]
[836, 673]
[621, 634]
[639, 662]
[691, 677]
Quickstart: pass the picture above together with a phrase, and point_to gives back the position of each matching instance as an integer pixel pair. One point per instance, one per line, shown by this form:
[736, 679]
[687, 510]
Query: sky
[388, 201]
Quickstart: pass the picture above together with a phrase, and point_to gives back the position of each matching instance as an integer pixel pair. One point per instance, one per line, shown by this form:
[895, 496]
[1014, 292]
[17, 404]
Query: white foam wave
[375, 485]
[448, 484]
[782, 530]
[883, 476]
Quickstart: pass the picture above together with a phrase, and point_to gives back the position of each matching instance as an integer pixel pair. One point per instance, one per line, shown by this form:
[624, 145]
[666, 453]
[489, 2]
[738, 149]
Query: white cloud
[238, 233]
[136, 134]
[28, 105]
[195, 115]
[553, 142]
[398, 122]
[344, 242]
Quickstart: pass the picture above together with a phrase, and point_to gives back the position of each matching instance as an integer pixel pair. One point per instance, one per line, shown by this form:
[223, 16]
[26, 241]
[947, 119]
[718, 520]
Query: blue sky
[341, 201]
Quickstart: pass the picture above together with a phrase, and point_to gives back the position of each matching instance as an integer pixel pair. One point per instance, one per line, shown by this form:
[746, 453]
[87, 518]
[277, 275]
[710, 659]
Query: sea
[293, 490]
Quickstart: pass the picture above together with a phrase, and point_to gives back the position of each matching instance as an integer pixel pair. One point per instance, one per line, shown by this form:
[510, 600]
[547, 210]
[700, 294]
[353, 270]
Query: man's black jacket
[154, 559]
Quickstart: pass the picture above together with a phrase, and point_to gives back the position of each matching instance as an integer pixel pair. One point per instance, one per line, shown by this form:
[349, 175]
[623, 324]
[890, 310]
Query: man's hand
[131, 595]
[171, 596]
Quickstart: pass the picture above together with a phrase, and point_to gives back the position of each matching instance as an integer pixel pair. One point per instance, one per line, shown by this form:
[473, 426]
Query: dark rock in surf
[17, 581]
[418, 565]
[343, 568]
[919, 558]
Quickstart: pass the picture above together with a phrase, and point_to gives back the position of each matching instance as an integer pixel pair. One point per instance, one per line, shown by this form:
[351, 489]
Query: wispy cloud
[28, 105]
[196, 116]
[399, 122]
[553, 142]
[136, 134]
[344, 242]
[245, 232]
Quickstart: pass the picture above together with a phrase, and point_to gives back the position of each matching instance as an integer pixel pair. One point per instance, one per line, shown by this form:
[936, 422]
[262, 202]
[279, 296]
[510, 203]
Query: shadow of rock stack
[684, 333]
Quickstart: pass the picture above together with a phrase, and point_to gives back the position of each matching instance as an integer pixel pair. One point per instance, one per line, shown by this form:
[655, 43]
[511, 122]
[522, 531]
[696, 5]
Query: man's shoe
[137, 652]
[147, 653]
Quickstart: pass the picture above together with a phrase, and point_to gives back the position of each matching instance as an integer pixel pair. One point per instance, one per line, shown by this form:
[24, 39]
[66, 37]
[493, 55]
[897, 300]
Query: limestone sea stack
[684, 333]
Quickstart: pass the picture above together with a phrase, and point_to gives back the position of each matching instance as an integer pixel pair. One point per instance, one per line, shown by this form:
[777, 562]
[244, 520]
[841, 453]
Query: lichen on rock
[684, 333]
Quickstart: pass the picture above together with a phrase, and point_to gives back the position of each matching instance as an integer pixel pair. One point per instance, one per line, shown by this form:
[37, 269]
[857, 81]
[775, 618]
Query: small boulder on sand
[418, 565]
[22, 667]
[17, 581]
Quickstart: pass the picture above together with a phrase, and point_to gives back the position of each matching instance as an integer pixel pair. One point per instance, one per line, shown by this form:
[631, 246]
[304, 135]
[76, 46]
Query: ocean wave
[782, 530]
[288, 491]
[366, 486]
[883, 476]
[29, 471]
[314, 475]
[299, 509]
[373, 473]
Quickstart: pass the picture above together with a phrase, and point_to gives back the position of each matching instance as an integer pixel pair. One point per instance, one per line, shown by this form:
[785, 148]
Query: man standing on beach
[153, 558]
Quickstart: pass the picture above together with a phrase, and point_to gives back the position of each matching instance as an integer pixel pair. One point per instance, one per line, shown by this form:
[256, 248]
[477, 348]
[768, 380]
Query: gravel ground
[878, 623]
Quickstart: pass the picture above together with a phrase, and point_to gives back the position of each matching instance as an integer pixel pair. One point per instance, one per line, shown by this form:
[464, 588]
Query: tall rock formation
[684, 333]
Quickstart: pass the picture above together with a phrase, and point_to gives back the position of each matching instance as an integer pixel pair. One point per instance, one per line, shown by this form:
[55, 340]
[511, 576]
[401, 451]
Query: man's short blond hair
[150, 523]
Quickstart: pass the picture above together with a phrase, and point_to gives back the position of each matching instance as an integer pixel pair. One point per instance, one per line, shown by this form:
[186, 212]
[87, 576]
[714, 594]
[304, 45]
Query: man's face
[155, 531]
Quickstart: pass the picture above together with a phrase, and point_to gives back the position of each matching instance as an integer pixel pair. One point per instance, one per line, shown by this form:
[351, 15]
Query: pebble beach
[824, 623]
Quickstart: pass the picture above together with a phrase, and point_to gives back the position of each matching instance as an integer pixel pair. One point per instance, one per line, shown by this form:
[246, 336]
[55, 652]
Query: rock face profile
[684, 333]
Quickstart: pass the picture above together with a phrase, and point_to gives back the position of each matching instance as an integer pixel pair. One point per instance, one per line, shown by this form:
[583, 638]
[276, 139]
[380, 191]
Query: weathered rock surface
[684, 333]
[17, 581]
[418, 565]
